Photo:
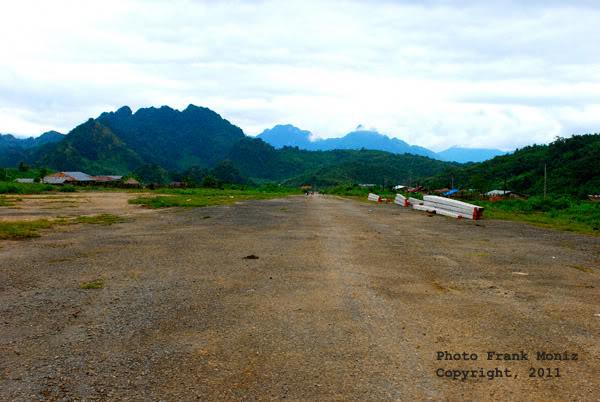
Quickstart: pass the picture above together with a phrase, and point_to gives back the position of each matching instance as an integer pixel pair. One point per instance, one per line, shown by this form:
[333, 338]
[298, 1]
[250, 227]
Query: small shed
[498, 193]
[131, 182]
[24, 180]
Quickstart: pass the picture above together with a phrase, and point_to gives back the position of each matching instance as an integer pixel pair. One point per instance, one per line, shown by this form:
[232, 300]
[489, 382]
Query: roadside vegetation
[555, 211]
[25, 188]
[562, 213]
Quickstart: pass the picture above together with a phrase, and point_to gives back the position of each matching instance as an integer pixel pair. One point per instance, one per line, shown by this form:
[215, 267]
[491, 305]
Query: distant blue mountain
[288, 135]
[463, 155]
[10, 141]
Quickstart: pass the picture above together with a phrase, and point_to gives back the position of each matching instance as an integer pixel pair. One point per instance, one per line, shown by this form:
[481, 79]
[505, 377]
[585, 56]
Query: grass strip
[196, 198]
[20, 230]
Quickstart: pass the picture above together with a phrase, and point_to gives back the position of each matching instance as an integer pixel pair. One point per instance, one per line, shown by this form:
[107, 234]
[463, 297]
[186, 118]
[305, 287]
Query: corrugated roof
[79, 176]
[24, 180]
[107, 178]
[54, 180]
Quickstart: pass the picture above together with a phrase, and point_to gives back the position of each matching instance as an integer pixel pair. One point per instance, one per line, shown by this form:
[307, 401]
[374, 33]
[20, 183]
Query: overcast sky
[433, 73]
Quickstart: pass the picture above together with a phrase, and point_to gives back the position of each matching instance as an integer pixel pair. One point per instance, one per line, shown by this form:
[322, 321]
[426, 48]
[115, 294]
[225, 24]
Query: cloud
[434, 73]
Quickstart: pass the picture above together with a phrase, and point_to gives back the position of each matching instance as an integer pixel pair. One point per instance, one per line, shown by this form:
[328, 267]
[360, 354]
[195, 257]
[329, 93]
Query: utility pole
[545, 180]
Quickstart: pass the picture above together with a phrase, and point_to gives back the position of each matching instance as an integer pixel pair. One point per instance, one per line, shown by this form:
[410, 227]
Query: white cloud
[494, 74]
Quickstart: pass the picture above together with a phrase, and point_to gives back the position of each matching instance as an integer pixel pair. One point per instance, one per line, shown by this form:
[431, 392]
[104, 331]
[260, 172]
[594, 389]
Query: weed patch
[96, 284]
[102, 219]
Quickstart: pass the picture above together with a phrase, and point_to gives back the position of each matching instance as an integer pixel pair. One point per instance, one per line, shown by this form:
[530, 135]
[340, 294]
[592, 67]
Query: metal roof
[24, 180]
[79, 176]
[54, 180]
[498, 192]
[107, 178]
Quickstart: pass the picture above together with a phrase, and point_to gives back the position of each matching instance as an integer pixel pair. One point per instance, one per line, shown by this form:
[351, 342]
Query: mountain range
[160, 144]
[289, 135]
[14, 150]
[154, 141]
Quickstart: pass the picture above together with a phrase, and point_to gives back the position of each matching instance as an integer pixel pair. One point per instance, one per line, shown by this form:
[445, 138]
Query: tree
[152, 174]
[23, 167]
[42, 173]
[226, 172]
[210, 181]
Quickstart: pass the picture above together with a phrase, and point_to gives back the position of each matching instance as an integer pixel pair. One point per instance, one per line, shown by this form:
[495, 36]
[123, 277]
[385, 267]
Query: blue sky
[434, 73]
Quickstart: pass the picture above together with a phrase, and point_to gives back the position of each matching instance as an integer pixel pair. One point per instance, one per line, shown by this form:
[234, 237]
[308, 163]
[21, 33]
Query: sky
[495, 74]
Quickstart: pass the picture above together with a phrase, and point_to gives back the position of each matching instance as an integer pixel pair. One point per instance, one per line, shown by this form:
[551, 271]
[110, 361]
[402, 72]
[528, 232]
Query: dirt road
[346, 301]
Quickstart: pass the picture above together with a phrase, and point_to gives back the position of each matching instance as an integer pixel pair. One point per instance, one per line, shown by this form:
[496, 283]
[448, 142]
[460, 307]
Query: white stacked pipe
[401, 200]
[453, 207]
[415, 201]
[374, 197]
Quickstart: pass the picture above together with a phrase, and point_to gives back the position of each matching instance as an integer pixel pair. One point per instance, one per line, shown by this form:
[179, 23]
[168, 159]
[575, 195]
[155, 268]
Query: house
[440, 191]
[107, 179]
[131, 182]
[498, 193]
[24, 180]
[69, 178]
[399, 187]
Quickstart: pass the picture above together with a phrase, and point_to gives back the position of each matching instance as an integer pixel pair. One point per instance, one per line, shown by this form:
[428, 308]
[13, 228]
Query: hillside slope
[174, 139]
[573, 167]
[90, 147]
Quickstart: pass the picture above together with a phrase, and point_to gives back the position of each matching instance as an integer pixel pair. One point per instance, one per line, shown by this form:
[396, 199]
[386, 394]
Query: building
[69, 178]
[498, 193]
[107, 179]
[24, 181]
[131, 182]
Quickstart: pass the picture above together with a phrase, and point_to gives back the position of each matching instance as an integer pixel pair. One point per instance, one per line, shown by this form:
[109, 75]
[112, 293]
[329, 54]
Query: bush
[67, 189]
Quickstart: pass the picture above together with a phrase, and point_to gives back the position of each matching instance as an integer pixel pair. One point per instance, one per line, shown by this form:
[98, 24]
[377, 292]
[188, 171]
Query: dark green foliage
[152, 174]
[210, 181]
[374, 167]
[226, 172]
[23, 167]
[20, 188]
[92, 148]
[573, 167]
[172, 139]
[193, 176]
[67, 188]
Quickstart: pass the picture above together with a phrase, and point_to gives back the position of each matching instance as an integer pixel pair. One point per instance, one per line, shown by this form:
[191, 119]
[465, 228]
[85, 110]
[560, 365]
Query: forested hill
[158, 143]
[164, 142]
[572, 164]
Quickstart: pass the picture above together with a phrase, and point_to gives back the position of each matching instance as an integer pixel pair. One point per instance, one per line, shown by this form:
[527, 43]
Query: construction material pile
[401, 200]
[374, 197]
[438, 205]
[448, 207]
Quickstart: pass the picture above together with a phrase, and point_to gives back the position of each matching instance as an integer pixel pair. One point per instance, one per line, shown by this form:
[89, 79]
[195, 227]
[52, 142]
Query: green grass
[204, 197]
[25, 188]
[24, 229]
[7, 202]
[102, 219]
[20, 230]
[560, 213]
[96, 284]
